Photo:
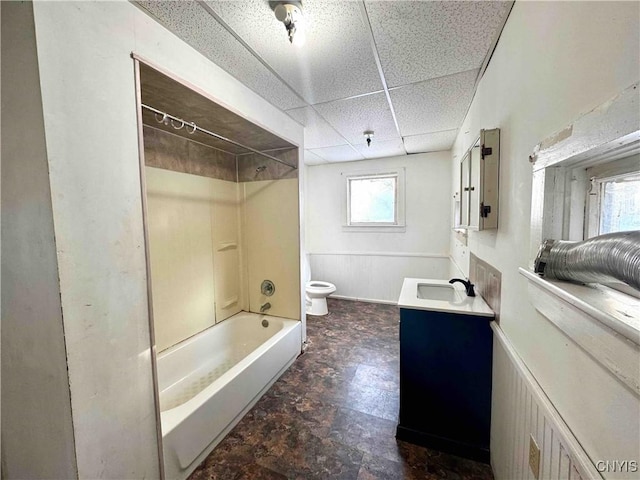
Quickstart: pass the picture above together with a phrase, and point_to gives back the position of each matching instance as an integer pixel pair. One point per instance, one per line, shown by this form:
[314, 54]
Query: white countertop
[463, 305]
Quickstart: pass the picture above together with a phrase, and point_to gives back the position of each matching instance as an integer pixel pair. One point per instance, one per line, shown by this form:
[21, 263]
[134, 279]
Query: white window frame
[400, 218]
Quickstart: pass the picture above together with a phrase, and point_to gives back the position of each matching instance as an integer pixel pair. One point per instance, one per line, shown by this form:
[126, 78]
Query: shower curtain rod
[186, 125]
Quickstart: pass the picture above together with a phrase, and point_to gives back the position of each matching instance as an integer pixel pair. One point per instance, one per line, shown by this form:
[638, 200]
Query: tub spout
[265, 307]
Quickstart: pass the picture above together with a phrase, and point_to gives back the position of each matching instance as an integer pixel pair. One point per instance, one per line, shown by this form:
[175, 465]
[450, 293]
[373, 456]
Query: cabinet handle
[467, 189]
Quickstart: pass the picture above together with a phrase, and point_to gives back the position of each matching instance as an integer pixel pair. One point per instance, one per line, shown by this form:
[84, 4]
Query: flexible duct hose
[606, 258]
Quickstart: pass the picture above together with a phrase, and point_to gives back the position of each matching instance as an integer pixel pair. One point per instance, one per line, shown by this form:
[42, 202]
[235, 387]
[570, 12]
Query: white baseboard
[368, 300]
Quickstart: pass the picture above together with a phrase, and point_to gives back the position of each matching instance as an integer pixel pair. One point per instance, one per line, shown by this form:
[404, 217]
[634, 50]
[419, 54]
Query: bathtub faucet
[265, 307]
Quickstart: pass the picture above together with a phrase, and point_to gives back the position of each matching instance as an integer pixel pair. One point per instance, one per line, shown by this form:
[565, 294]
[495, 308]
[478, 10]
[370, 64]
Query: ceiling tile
[311, 158]
[430, 142]
[420, 40]
[353, 116]
[317, 132]
[336, 60]
[386, 148]
[190, 22]
[344, 153]
[435, 105]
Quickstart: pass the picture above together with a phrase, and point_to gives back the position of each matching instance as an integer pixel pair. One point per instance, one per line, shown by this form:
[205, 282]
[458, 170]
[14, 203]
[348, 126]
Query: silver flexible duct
[606, 258]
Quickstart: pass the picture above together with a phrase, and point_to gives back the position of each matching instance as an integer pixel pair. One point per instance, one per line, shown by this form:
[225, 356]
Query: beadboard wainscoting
[375, 276]
[522, 415]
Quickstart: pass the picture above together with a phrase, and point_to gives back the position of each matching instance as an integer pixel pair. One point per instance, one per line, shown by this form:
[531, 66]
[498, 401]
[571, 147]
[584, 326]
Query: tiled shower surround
[172, 152]
[333, 414]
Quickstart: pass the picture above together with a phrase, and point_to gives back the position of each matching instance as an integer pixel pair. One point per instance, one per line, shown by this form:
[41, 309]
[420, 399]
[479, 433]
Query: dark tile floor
[333, 414]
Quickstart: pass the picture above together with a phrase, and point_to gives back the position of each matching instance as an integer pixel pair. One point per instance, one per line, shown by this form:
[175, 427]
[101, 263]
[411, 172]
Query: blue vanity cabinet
[445, 382]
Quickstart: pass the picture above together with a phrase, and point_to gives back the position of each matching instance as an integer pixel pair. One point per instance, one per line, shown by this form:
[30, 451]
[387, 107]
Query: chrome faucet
[265, 307]
[467, 285]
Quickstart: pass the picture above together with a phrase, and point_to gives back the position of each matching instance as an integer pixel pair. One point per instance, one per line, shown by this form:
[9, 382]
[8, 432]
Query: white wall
[36, 408]
[88, 102]
[370, 265]
[554, 61]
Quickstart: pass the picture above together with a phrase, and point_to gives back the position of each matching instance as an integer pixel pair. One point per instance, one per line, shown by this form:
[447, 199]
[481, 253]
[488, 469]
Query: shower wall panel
[181, 254]
[271, 232]
[227, 256]
[195, 255]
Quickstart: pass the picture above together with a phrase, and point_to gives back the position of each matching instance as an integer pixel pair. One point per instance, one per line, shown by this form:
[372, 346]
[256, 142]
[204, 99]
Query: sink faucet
[265, 307]
[467, 285]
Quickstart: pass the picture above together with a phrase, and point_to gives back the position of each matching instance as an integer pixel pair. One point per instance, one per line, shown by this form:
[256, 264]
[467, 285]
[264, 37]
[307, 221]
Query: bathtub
[209, 381]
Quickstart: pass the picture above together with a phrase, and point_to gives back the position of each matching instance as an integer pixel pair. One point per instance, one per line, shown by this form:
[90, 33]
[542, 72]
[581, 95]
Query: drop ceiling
[407, 70]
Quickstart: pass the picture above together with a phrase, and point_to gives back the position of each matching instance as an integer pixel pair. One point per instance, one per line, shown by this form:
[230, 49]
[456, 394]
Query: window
[372, 200]
[591, 198]
[375, 200]
[613, 199]
[618, 203]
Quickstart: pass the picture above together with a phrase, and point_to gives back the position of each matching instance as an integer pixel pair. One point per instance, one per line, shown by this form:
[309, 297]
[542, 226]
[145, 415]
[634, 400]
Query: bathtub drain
[265, 323]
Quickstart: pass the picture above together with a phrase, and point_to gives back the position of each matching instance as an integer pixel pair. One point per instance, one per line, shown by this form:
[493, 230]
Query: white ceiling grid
[355, 115]
[336, 60]
[430, 52]
[430, 142]
[421, 40]
[382, 148]
[435, 105]
[311, 158]
[318, 132]
[344, 153]
[188, 21]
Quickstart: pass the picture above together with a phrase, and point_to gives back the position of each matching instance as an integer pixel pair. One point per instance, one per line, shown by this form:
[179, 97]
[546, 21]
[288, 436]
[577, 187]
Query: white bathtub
[208, 382]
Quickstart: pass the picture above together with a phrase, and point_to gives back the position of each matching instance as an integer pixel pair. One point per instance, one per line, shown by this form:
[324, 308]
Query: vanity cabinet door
[445, 382]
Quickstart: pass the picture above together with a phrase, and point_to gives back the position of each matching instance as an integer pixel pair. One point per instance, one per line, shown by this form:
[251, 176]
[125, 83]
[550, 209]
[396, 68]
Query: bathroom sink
[438, 295]
[437, 292]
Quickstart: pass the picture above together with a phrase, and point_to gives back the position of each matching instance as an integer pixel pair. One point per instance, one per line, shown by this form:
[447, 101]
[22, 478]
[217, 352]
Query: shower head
[261, 168]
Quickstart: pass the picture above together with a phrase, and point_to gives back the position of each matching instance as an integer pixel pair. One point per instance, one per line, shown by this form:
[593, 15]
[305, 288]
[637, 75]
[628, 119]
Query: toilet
[317, 293]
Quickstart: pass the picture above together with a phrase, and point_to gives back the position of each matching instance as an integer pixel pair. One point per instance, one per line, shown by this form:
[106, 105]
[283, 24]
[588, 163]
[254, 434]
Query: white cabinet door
[479, 175]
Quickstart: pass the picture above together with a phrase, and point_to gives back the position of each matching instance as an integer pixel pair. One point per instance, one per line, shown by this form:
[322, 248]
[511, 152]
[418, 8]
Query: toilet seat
[316, 286]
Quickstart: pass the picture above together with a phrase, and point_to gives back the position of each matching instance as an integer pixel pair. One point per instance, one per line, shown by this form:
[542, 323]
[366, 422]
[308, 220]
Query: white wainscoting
[520, 411]
[375, 276]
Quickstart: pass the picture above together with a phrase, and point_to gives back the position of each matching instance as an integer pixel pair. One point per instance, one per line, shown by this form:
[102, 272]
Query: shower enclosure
[221, 210]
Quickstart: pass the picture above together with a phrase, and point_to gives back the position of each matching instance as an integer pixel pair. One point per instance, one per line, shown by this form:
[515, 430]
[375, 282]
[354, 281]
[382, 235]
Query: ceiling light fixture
[368, 134]
[291, 15]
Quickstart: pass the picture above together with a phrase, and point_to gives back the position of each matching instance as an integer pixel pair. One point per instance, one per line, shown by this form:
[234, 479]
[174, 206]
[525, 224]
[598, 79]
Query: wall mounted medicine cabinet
[479, 174]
